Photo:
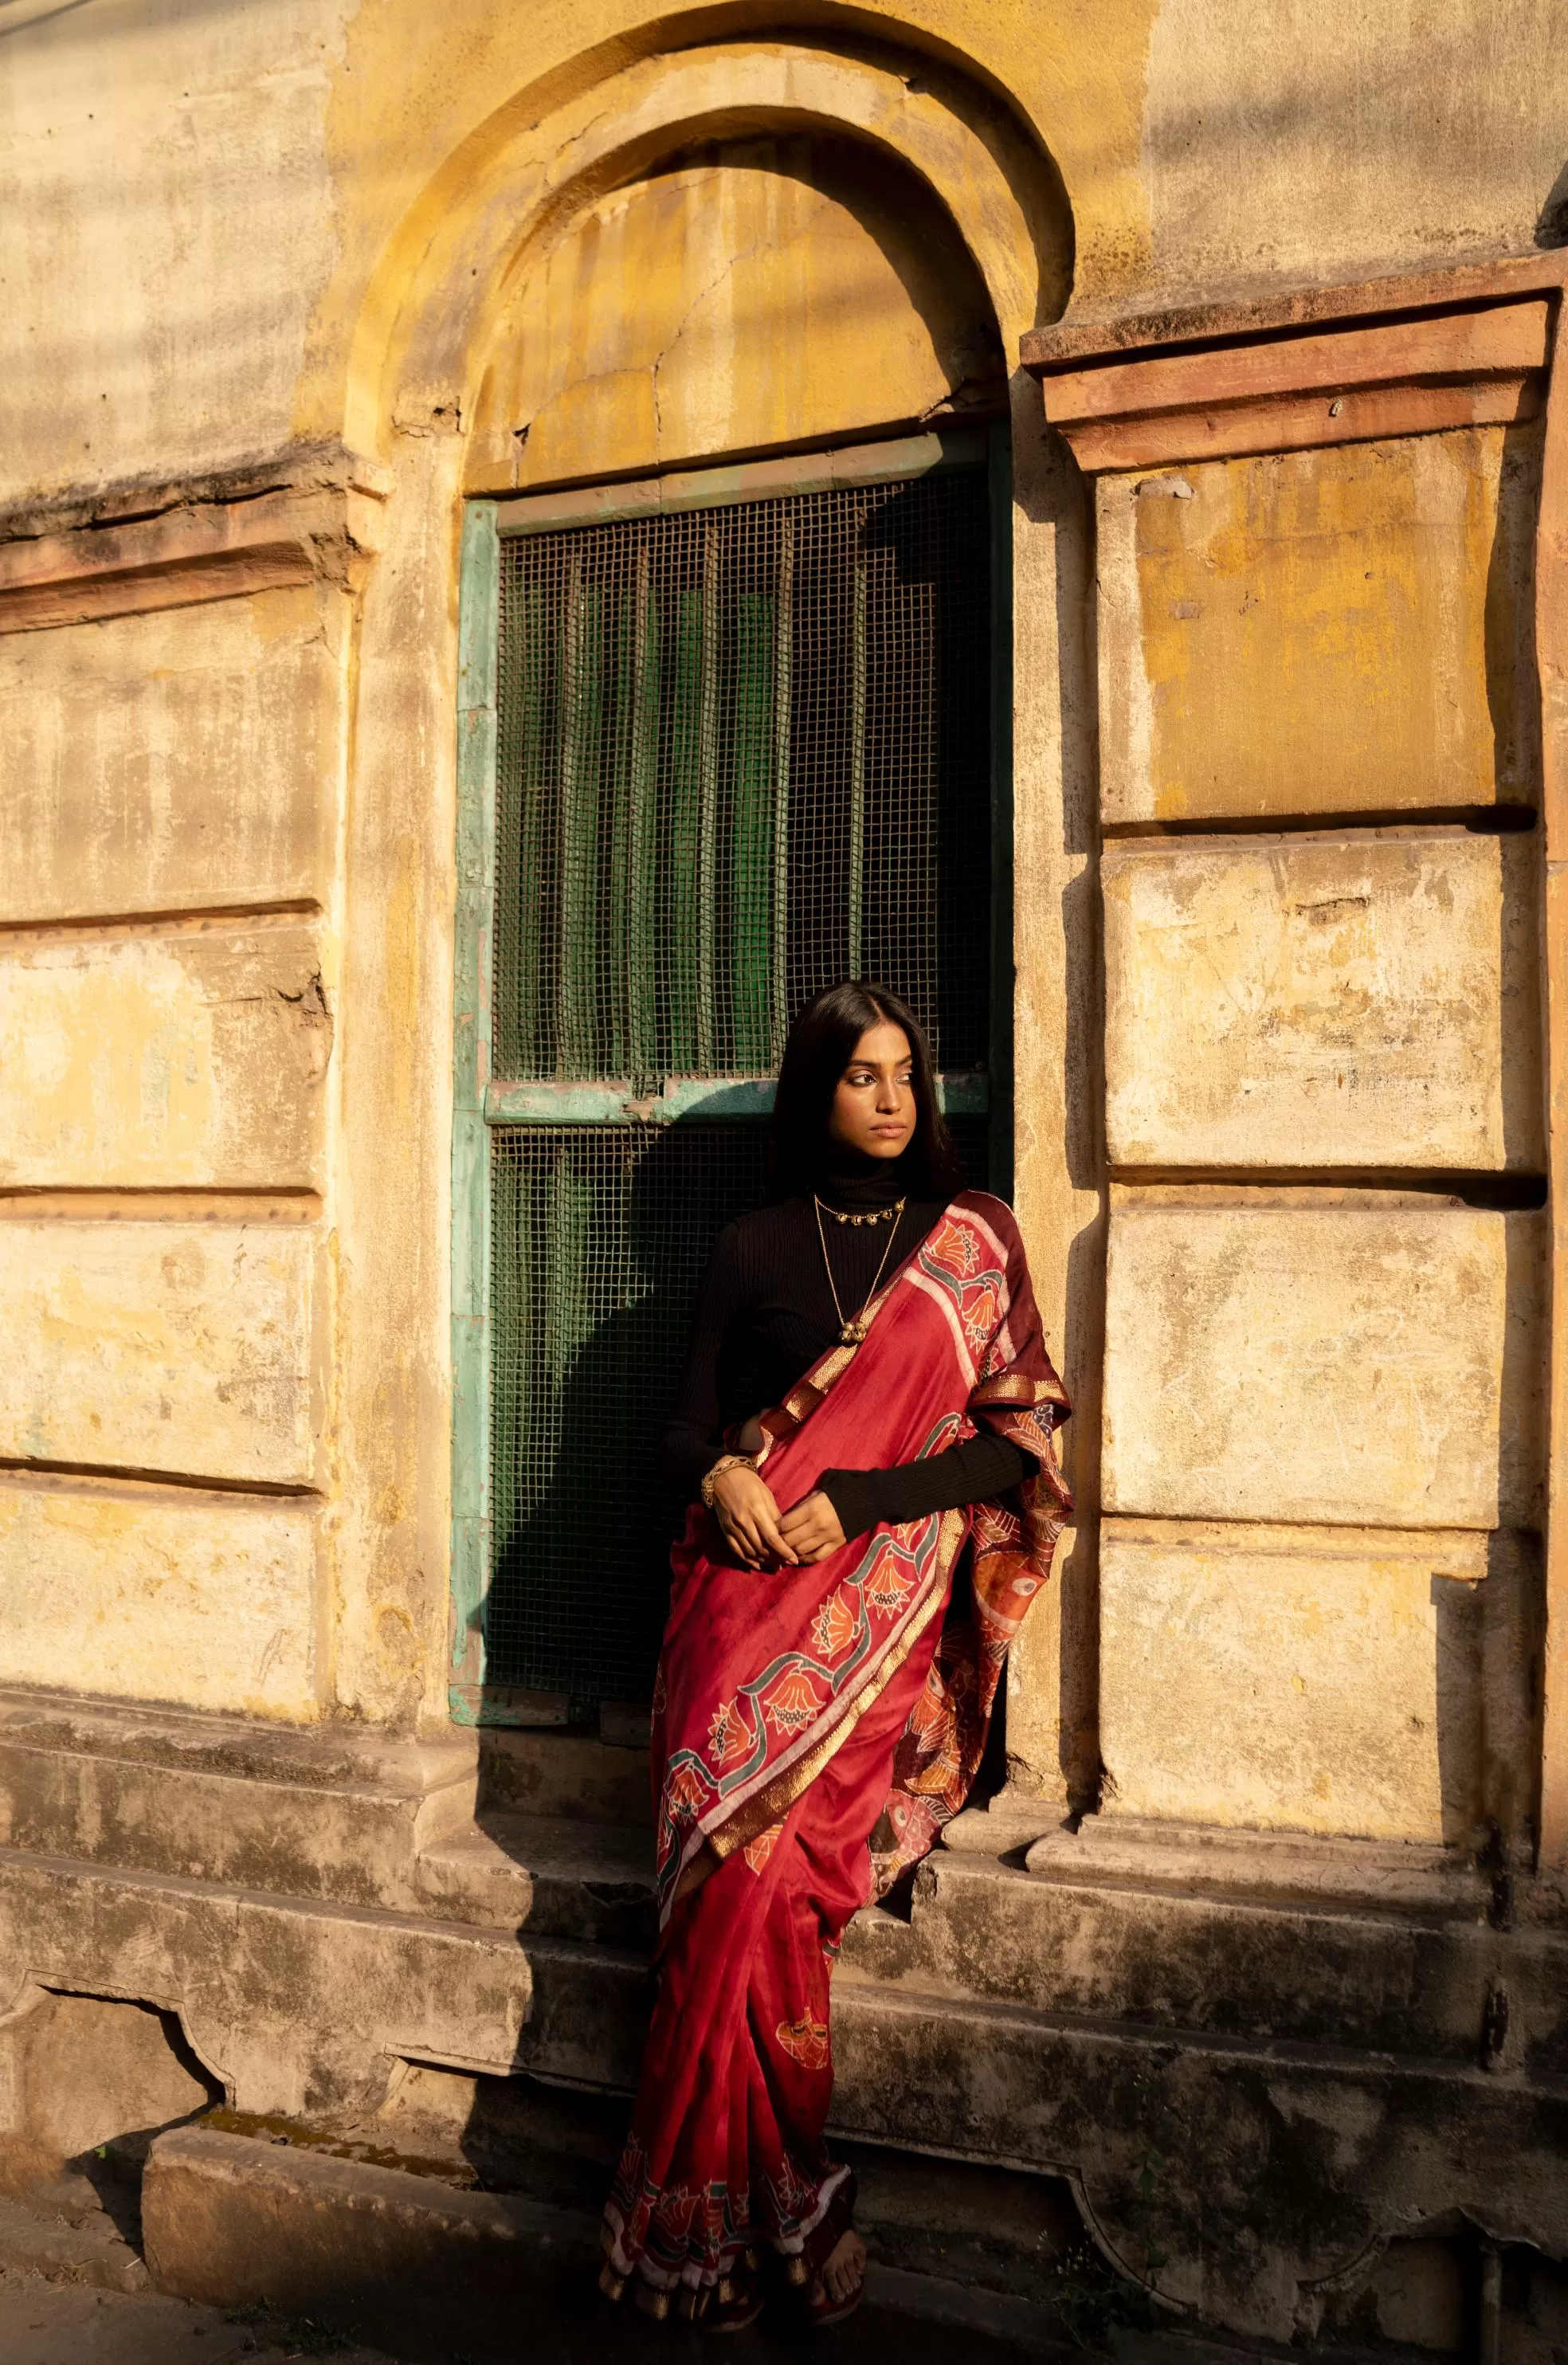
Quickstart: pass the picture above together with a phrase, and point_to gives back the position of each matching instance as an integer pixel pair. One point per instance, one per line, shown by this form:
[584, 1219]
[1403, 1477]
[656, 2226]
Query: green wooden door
[714, 755]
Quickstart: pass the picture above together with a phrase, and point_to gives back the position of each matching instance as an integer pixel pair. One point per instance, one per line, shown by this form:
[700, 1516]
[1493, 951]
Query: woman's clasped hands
[761, 1536]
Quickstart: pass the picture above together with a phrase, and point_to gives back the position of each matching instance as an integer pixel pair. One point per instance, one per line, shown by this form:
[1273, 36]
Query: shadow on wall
[1491, 1637]
[89, 2081]
[601, 1239]
[1551, 223]
[1054, 504]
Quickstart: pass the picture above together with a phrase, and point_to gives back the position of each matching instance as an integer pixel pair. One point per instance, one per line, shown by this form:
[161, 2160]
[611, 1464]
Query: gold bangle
[726, 1462]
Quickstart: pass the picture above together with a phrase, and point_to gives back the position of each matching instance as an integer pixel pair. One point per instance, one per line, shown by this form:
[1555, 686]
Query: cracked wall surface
[772, 292]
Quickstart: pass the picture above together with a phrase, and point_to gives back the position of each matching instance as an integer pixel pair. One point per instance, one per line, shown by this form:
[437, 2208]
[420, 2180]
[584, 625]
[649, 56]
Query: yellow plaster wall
[1319, 639]
[1343, 1000]
[237, 227]
[171, 216]
[159, 1594]
[1288, 142]
[1052, 1676]
[771, 292]
[389, 1603]
[1354, 1365]
[159, 1346]
[1312, 1678]
[175, 761]
[1346, 630]
[193, 1057]
[197, 204]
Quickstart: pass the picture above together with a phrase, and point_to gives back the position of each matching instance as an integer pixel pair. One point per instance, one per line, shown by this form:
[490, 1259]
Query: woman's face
[873, 1109]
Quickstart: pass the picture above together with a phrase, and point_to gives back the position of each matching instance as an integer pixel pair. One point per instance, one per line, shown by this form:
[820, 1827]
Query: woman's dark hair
[821, 1045]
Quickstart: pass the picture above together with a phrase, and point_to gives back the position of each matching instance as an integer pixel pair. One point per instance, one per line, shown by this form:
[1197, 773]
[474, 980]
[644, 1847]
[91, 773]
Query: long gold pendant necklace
[850, 1333]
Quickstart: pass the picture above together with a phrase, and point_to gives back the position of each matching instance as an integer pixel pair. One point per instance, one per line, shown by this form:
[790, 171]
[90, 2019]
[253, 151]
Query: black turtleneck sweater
[766, 1312]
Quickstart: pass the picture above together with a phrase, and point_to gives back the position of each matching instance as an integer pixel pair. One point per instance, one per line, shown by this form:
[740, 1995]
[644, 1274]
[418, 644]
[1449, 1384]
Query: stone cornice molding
[1337, 365]
[127, 551]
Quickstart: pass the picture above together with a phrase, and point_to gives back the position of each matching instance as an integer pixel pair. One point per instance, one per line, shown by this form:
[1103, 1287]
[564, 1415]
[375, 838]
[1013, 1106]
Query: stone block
[1344, 630]
[154, 1593]
[165, 1347]
[304, 2008]
[193, 1058]
[1311, 1678]
[78, 2072]
[178, 761]
[232, 2220]
[1128, 1935]
[1363, 1000]
[315, 1810]
[1362, 1358]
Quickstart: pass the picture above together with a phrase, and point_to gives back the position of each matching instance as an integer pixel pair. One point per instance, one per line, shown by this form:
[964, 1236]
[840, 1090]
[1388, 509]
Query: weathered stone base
[1255, 2063]
[422, 2265]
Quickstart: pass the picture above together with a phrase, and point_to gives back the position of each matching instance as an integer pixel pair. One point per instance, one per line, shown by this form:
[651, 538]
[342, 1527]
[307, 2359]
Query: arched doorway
[734, 623]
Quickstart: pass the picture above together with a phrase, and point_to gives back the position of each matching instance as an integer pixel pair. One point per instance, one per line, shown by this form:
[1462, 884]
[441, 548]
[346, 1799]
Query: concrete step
[992, 2228]
[432, 2269]
[590, 1881]
[316, 1811]
[1387, 1875]
[570, 1775]
[311, 2010]
[1258, 1935]
[1319, 1970]
[300, 2003]
[435, 2269]
[326, 1811]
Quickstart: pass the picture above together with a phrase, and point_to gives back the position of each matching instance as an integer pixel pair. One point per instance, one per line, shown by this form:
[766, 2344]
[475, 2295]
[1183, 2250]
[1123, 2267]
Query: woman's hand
[812, 1530]
[748, 1515]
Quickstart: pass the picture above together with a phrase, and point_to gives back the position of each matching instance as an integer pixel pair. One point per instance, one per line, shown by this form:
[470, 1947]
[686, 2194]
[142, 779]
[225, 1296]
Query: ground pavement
[44, 2323]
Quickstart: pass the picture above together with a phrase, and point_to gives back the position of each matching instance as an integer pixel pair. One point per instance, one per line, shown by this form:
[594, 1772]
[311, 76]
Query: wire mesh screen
[601, 1235]
[743, 751]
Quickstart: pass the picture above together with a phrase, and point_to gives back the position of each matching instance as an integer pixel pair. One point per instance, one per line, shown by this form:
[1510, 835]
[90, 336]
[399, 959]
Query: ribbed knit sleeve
[693, 1438]
[976, 1472]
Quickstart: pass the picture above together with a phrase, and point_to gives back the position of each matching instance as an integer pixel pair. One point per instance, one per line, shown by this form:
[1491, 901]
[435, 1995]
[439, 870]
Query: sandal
[837, 2220]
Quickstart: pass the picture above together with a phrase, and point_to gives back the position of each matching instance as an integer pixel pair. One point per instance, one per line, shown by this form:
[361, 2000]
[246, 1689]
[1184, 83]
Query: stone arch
[754, 294]
[491, 216]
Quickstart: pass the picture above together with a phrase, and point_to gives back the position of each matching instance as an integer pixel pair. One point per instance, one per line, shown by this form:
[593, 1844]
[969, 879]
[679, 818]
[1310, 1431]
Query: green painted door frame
[481, 1102]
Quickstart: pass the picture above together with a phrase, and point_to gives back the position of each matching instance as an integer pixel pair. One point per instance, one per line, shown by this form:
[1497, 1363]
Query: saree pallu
[814, 1729]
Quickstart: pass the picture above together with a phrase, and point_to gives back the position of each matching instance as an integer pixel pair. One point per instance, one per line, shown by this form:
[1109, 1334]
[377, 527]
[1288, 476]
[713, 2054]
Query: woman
[866, 1417]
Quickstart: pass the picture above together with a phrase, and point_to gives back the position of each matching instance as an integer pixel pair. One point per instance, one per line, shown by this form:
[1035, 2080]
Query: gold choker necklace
[876, 1216]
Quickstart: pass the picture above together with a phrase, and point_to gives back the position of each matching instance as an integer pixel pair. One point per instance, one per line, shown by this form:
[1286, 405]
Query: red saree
[815, 1728]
